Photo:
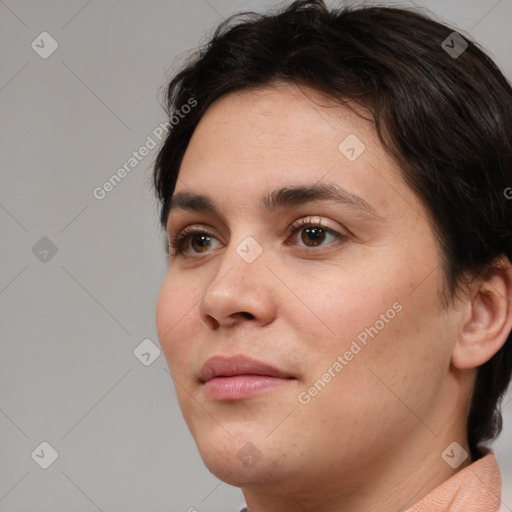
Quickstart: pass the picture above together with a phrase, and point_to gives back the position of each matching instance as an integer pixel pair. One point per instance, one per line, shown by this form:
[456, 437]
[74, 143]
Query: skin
[372, 438]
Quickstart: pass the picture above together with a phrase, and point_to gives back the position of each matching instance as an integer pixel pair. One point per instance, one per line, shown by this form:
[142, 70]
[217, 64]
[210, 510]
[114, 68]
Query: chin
[242, 457]
[238, 475]
[237, 466]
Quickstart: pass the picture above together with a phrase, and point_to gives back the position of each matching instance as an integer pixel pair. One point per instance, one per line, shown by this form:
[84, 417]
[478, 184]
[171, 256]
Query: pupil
[315, 235]
[201, 242]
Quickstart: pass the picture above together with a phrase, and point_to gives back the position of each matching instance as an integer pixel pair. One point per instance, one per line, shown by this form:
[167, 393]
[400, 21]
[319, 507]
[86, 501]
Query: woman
[337, 312]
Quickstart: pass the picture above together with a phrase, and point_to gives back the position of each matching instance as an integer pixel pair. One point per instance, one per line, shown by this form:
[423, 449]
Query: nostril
[245, 314]
[213, 323]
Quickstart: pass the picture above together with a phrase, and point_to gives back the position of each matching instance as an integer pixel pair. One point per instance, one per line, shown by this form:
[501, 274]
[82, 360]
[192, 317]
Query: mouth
[238, 377]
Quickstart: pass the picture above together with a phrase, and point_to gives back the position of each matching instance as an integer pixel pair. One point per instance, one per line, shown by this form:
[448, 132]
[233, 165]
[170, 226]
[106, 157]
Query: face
[301, 315]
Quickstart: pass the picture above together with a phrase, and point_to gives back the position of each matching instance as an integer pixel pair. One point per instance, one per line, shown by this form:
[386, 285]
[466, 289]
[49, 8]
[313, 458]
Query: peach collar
[476, 488]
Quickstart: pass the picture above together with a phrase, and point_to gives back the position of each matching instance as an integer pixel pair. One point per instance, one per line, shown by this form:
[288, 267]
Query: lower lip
[239, 387]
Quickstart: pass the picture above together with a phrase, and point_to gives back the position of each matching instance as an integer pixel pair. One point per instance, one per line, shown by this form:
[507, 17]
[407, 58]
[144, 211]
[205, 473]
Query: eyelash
[177, 242]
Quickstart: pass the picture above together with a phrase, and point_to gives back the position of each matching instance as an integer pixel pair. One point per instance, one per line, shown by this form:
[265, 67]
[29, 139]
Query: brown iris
[313, 236]
[201, 242]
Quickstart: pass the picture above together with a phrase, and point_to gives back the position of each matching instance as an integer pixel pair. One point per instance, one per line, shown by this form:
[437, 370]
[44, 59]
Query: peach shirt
[476, 488]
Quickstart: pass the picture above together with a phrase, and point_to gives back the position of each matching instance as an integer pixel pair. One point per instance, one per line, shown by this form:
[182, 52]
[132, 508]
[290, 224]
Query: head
[344, 175]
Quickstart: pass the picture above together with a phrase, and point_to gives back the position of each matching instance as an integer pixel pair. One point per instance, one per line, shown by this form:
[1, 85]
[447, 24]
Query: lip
[239, 377]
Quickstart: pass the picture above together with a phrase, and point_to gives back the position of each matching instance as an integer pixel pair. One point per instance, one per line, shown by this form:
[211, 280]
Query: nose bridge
[241, 262]
[238, 286]
[244, 253]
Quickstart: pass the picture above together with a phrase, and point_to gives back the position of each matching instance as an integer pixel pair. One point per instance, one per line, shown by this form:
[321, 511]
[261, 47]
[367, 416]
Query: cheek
[175, 311]
[347, 305]
[383, 325]
[394, 380]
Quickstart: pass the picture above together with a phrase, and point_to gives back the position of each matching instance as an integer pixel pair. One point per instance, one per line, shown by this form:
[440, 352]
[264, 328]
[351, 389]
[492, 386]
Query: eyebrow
[279, 199]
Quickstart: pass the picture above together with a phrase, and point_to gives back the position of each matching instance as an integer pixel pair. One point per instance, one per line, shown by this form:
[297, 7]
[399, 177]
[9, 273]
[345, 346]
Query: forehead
[282, 118]
[251, 142]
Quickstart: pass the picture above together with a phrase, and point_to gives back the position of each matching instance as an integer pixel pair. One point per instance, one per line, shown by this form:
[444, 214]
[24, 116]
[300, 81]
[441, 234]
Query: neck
[403, 478]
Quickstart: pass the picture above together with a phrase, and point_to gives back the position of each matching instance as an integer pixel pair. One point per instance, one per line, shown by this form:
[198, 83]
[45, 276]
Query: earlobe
[489, 320]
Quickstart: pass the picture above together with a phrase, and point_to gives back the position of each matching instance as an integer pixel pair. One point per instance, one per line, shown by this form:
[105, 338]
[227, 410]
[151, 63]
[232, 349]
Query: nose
[240, 293]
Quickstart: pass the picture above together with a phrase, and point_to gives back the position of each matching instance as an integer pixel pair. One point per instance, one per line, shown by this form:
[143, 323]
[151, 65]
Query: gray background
[70, 322]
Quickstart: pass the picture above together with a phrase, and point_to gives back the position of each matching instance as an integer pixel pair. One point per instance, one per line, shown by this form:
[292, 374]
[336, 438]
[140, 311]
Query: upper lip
[229, 366]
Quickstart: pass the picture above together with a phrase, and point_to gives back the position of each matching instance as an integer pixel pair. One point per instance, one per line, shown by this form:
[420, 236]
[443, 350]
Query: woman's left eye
[313, 234]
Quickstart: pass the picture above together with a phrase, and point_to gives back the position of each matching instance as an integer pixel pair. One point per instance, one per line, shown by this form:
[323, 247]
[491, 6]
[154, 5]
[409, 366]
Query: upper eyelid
[315, 220]
[307, 221]
[190, 228]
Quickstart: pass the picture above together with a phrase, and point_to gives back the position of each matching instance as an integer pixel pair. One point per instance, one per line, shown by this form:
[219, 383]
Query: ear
[488, 322]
